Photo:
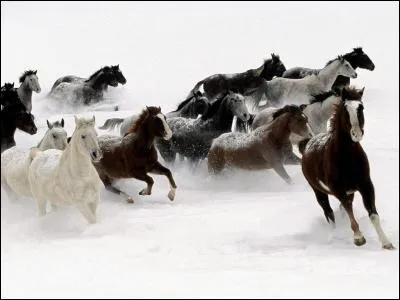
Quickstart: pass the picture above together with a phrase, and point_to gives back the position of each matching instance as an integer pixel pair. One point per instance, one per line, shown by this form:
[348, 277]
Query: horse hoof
[144, 192]
[116, 108]
[359, 242]
[130, 200]
[171, 195]
[388, 246]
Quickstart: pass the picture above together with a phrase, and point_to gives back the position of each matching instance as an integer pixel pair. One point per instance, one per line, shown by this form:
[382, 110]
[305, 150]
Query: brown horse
[262, 148]
[334, 163]
[134, 155]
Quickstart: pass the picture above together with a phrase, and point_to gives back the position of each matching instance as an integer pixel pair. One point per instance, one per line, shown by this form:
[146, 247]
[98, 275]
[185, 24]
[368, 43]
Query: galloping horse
[263, 148]
[134, 155]
[29, 82]
[87, 90]
[357, 59]
[242, 83]
[334, 163]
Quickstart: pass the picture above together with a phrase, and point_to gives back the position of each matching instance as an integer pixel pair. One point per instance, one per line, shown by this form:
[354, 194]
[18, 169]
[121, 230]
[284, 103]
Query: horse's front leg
[347, 201]
[88, 203]
[144, 177]
[278, 167]
[367, 192]
[161, 170]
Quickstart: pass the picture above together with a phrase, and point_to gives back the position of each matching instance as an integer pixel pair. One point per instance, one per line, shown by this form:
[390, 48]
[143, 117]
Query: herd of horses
[249, 120]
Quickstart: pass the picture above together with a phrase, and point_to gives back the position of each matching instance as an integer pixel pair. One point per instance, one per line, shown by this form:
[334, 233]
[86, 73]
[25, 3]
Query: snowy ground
[244, 234]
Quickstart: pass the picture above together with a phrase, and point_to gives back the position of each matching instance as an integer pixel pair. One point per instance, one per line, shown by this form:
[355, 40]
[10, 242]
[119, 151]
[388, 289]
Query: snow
[243, 234]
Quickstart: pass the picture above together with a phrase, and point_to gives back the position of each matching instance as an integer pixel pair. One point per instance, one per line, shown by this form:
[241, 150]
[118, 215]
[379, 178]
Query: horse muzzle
[96, 155]
[354, 75]
[33, 130]
[371, 67]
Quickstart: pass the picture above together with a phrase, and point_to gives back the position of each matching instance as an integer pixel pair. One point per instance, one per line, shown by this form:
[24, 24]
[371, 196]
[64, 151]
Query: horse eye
[54, 136]
[83, 136]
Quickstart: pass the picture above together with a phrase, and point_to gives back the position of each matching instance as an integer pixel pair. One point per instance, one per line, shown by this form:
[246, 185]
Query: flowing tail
[111, 123]
[196, 88]
[302, 145]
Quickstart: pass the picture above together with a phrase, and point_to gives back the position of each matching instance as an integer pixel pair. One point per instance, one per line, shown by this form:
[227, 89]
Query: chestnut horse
[334, 163]
[135, 155]
[263, 148]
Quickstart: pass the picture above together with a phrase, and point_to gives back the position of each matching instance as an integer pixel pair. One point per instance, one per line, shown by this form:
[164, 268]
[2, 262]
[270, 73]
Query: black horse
[243, 83]
[357, 59]
[8, 94]
[13, 116]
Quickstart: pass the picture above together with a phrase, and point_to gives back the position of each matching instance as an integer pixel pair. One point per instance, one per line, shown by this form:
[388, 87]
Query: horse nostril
[94, 154]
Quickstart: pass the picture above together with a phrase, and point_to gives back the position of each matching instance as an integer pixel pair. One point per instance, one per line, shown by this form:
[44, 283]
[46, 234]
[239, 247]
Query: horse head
[85, 138]
[361, 59]
[30, 79]
[118, 74]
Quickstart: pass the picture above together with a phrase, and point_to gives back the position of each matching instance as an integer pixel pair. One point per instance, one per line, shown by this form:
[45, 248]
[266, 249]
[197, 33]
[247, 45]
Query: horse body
[68, 177]
[300, 91]
[134, 155]
[15, 161]
[192, 138]
[264, 147]
[357, 59]
[15, 116]
[334, 163]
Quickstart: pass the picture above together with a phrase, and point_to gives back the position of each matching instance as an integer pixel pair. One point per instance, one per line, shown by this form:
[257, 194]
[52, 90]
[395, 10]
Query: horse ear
[35, 72]
[302, 106]
[12, 84]
[118, 66]
[147, 108]
[361, 92]
[62, 122]
[159, 108]
[48, 124]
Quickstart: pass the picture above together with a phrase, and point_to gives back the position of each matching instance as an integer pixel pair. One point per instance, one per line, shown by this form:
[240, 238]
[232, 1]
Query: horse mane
[348, 93]
[26, 73]
[287, 108]
[150, 110]
[97, 72]
[183, 103]
[321, 97]
[340, 57]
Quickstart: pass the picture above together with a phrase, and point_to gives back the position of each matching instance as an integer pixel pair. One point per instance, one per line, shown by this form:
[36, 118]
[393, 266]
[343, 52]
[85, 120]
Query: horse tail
[302, 145]
[111, 123]
[196, 88]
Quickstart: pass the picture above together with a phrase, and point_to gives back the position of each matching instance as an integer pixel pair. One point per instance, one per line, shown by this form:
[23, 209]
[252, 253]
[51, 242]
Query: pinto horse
[334, 163]
[135, 155]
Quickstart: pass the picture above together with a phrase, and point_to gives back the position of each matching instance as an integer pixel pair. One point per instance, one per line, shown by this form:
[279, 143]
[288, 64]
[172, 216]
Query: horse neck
[144, 139]
[24, 92]
[327, 75]
[74, 161]
[223, 117]
[8, 126]
[265, 73]
[97, 82]
[279, 128]
[44, 144]
[352, 59]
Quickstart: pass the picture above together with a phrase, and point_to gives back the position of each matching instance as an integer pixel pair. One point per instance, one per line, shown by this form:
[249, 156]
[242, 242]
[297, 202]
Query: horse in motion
[13, 116]
[15, 161]
[87, 90]
[280, 91]
[134, 155]
[242, 83]
[8, 94]
[192, 138]
[262, 148]
[29, 83]
[68, 177]
[357, 59]
[189, 108]
[334, 163]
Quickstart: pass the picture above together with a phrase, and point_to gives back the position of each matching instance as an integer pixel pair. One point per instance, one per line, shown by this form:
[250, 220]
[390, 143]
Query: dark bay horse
[134, 155]
[13, 116]
[243, 83]
[357, 59]
[334, 163]
[263, 148]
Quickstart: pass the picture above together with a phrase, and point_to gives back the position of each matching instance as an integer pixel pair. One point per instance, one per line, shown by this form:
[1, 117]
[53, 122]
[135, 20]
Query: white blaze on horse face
[355, 131]
[168, 132]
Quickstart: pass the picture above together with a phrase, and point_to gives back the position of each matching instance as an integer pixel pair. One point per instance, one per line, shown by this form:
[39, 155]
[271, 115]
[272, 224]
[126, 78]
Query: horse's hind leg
[347, 202]
[368, 195]
[290, 157]
[323, 201]
[161, 170]
[109, 187]
[215, 161]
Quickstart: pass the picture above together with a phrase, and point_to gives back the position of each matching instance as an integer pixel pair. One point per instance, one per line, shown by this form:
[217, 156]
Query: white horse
[29, 82]
[15, 161]
[68, 177]
[280, 91]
